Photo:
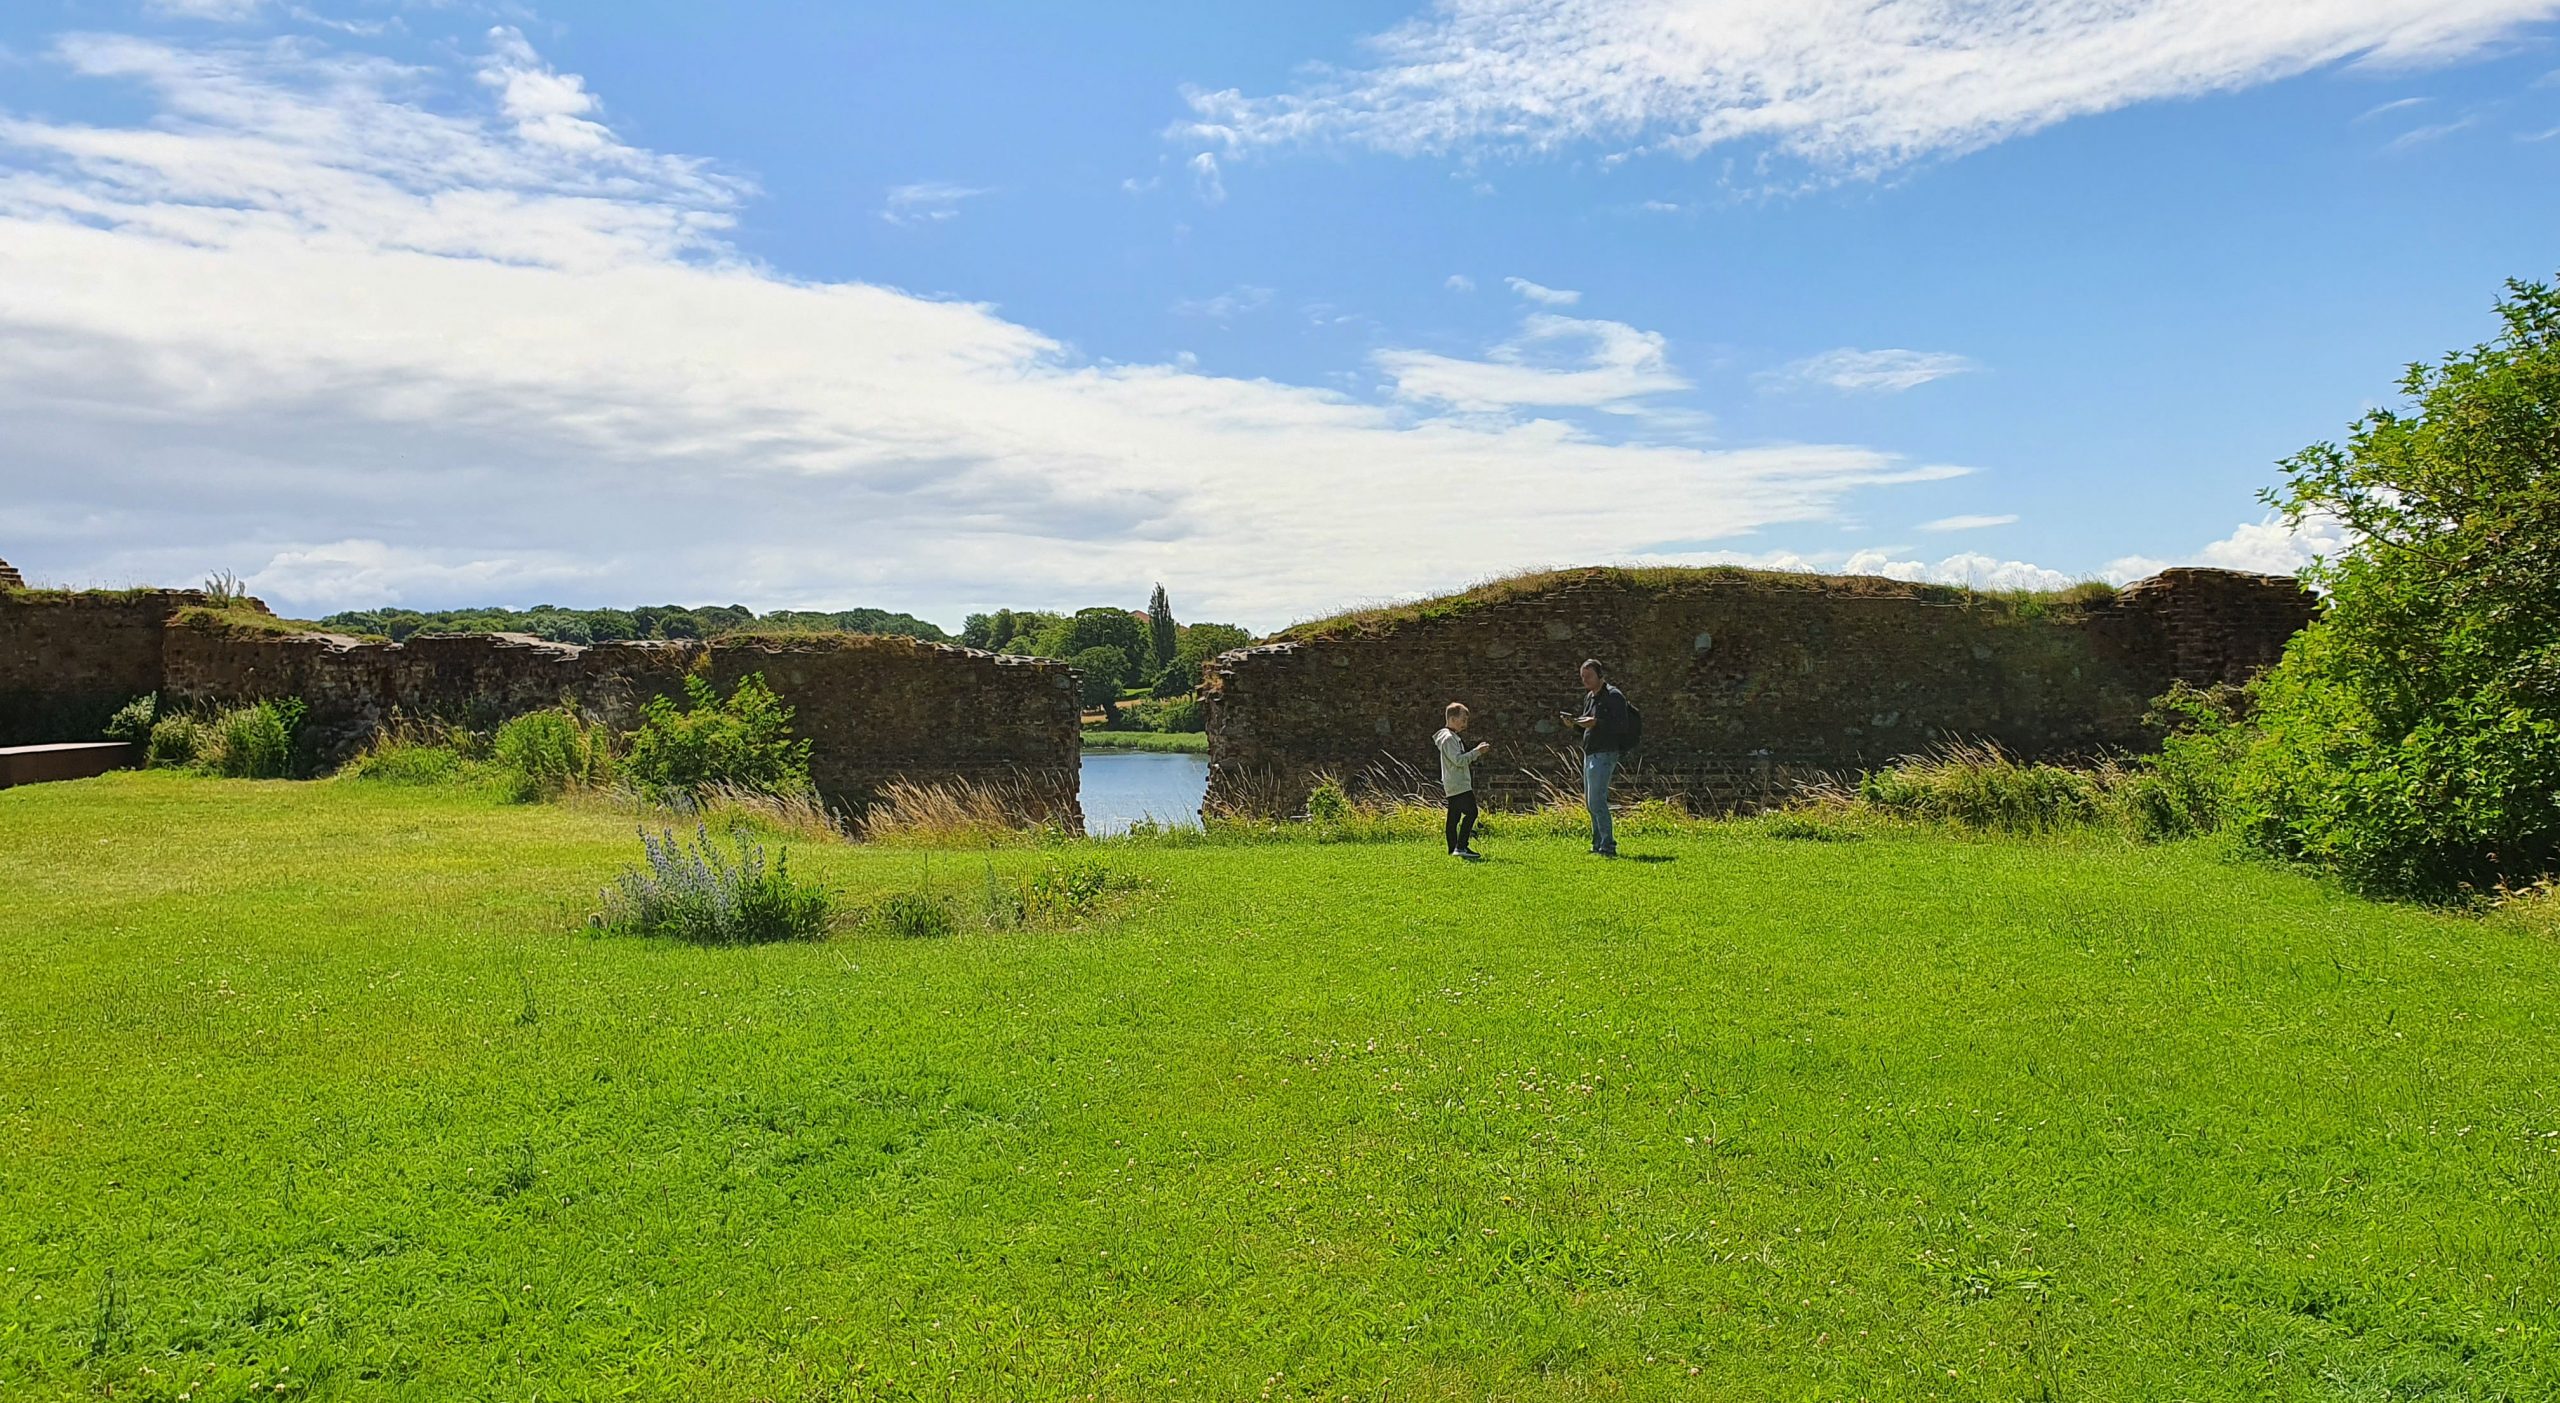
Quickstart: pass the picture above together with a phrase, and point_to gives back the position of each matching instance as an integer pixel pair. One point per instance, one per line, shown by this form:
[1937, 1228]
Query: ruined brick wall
[876, 709]
[353, 688]
[881, 709]
[67, 660]
[1750, 685]
[10, 578]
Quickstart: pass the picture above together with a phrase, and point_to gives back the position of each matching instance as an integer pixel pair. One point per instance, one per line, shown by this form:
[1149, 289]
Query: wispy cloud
[2421, 136]
[1555, 361]
[927, 202]
[1546, 296]
[1856, 371]
[1848, 87]
[1206, 180]
[1227, 305]
[1968, 523]
[2396, 105]
[367, 331]
[224, 11]
[1460, 282]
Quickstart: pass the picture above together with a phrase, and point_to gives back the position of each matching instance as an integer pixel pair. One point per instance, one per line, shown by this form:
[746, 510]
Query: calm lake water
[1119, 787]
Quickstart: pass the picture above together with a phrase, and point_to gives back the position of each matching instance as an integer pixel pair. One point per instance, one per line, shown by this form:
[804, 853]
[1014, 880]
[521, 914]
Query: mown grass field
[321, 1091]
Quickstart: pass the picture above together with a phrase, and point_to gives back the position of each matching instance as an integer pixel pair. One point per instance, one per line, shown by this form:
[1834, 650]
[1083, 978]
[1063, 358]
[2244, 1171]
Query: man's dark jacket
[1609, 732]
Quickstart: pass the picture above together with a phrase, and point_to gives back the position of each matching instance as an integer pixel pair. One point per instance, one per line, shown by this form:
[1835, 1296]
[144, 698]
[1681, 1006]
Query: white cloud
[2434, 131]
[2268, 547]
[1852, 87]
[1228, 305]
[1206, 182]
[1968, 523]
[1969, 568]
[361, 330]
[372, 569]
[1603, 365]
[1546, 296]
[926, 202]
[224, 11]
[1887, 371]
[1460, 282]
[2396, 105]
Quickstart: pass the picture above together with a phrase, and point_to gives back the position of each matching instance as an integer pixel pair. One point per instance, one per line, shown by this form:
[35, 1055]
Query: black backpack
[1635, 726]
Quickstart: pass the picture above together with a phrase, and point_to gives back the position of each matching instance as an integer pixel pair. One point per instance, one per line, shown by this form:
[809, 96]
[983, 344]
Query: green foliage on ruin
[664, 621]
[741, 741]
[2410, 739]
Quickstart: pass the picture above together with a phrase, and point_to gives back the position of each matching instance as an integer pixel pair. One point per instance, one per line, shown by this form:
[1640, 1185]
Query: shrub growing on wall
[2410, 739]
[743, 740]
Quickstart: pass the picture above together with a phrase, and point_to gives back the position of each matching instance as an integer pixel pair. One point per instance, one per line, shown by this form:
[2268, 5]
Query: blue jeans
[1598, 768]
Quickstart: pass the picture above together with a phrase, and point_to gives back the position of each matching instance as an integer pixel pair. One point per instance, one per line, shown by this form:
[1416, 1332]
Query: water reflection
[1120, 787]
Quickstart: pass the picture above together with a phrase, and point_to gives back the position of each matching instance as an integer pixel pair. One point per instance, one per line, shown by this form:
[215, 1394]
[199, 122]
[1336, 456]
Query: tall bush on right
[2409, 741]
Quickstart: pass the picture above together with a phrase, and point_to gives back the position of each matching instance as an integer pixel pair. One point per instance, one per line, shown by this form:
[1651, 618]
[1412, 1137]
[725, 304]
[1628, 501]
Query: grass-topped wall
[1752, 682]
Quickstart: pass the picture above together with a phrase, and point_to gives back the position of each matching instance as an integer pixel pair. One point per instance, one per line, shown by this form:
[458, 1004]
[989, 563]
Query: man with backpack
[1610, 728]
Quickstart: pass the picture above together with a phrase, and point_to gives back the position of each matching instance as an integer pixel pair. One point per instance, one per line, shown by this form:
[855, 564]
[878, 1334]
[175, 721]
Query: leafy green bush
[133, 721]
[707, 894]
[2182, 791]
[743, 741]
[255, 741]
[2409, 741]
[1327, 803]
[178, 742]
[542, 754]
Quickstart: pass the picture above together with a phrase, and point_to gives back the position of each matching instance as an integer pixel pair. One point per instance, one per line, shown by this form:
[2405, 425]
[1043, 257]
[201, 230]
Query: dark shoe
[1471, 854]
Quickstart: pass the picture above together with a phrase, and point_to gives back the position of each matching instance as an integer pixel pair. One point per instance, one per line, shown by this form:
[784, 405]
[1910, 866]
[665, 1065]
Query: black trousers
[1461, 824]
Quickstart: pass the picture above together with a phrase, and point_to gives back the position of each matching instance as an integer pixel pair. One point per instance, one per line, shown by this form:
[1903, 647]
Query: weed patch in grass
[711, 892]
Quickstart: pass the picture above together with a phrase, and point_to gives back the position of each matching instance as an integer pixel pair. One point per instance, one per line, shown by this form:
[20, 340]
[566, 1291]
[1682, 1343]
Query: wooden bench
[34, 764]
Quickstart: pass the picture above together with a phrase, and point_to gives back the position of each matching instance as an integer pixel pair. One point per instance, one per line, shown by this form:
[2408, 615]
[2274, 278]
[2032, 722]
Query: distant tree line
[619, 625]
[1117, 650]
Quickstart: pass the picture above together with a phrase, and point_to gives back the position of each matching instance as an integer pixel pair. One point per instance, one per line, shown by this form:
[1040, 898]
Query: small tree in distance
[1161, 630]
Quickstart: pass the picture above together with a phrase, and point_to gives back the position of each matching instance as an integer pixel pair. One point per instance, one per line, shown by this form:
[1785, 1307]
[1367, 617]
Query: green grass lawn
[1175, 742]
[321, 1090]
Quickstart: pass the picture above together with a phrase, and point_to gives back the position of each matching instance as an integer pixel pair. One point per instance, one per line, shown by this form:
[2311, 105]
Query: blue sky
[957, 306]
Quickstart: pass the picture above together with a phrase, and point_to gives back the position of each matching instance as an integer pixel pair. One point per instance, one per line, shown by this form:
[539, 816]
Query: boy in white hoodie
[1458, 781]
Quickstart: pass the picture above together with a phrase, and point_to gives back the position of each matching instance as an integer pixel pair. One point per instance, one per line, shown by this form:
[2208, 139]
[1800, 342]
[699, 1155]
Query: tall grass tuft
[178, 742]
[956, 814]
[707, 893]
[415, 752]
[800, 815]
[1976, 784]
[544, 754]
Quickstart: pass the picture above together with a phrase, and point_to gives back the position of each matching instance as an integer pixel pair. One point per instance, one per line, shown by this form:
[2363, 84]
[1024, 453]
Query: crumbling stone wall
[353, 688]
[1751, 685]
[877, 709]
[884, 709]
[68, 660]
[10, 578]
